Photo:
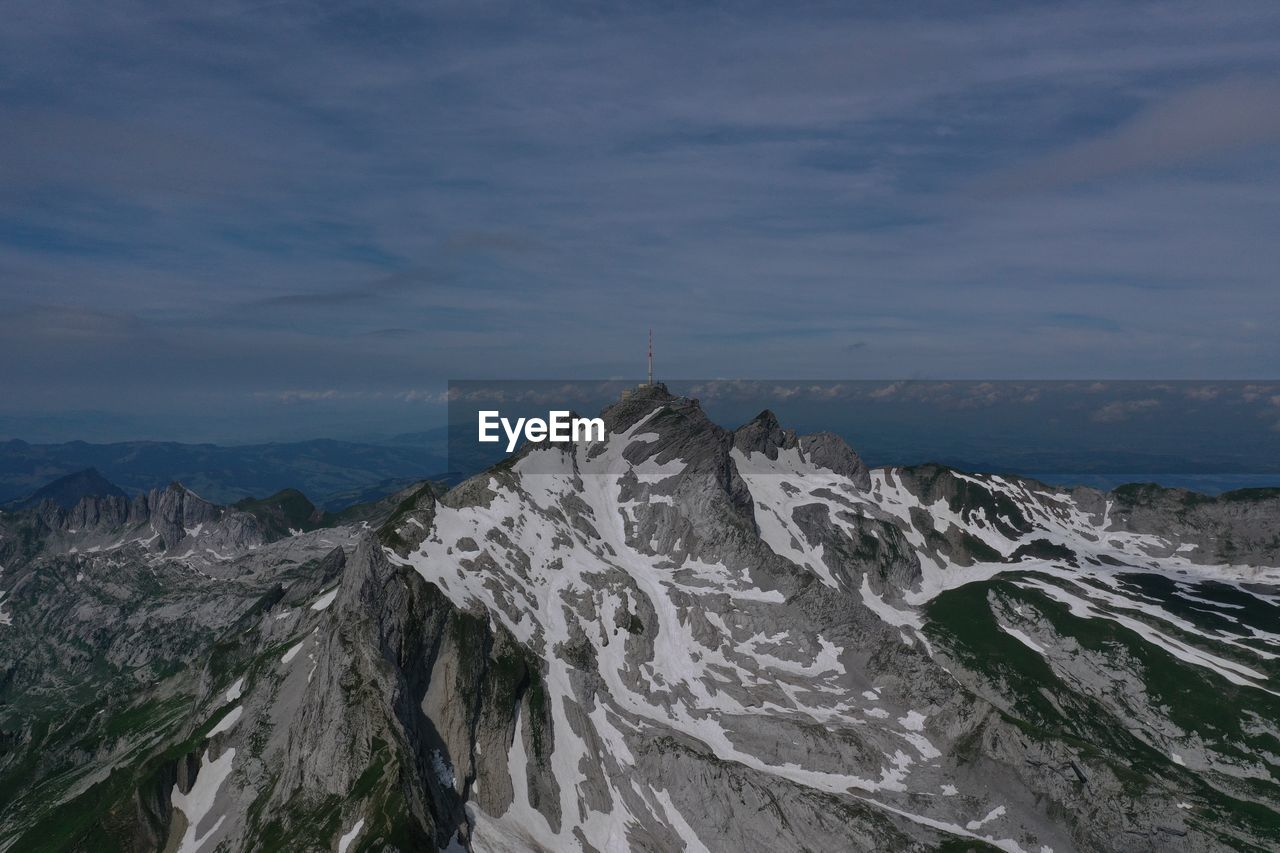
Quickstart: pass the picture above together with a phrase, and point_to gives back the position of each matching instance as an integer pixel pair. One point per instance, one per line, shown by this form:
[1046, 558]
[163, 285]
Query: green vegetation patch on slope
[1193, 699]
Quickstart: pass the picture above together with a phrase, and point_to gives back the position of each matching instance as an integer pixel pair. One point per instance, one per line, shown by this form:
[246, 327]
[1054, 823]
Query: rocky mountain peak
[763, 434]
[635, 403]
[830, 451]
[67, 491]
[680, 637]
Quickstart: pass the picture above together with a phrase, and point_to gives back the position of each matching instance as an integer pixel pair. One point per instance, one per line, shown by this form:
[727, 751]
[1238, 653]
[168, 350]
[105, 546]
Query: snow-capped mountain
[679, 638]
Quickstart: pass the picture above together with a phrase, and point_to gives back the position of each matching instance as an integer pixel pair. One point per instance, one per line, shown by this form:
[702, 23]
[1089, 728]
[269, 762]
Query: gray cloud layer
[220, 201]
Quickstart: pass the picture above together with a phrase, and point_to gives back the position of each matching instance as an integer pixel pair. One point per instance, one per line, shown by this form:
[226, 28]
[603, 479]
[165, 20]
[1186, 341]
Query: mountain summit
[67, 491]
[682, 637]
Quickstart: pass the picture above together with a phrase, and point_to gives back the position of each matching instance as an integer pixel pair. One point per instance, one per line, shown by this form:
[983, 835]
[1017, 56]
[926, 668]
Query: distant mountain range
[682, 637]
[335, 474]
[67, 491]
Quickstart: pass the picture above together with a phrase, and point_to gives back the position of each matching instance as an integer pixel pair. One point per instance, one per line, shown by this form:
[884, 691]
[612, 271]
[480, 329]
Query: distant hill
[333, 473]
[289, 511]
[284, 512]
[67, 491]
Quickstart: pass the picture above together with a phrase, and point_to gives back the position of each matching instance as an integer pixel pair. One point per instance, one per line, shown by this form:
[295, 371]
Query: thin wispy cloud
[1181, 128]
[1123, 410]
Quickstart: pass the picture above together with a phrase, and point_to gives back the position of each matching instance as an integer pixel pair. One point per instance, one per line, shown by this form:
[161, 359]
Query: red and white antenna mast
[651, 356]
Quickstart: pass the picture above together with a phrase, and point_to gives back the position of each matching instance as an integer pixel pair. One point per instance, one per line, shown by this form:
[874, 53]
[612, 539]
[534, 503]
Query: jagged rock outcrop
[680, 637]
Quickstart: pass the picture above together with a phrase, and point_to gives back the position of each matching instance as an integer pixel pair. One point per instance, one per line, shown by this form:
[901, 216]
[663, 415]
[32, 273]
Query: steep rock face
[381, 716]
[279, 708]
[169, 521]
[824, 450]
[723, 603]
[101, 511]
[1235, 527]
[410, 521]
[106, 659]
[174, 511]
[681, 637]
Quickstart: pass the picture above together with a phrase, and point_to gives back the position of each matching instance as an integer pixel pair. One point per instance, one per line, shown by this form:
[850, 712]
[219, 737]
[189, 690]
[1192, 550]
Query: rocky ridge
[684, 637]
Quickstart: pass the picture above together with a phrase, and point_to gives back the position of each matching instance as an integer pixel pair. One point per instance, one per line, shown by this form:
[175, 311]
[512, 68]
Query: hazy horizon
[1208, 436]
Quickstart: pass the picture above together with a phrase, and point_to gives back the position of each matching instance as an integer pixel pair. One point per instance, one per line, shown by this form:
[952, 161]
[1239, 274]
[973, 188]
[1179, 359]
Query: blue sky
[242, 221]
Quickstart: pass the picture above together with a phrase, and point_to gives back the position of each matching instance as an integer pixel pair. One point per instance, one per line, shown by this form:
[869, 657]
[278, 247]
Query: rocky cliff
[683, 637]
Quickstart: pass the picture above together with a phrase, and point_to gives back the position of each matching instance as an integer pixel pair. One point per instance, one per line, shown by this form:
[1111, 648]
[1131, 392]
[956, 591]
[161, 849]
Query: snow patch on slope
[196, 804]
